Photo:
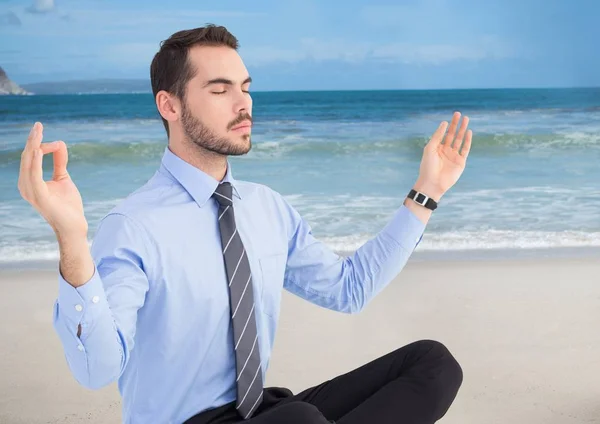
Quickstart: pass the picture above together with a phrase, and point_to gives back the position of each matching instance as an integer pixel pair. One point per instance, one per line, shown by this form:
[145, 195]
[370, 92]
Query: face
[216, 114]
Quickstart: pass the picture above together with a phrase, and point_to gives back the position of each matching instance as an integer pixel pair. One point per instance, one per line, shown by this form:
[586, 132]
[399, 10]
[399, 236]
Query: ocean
[345, 160]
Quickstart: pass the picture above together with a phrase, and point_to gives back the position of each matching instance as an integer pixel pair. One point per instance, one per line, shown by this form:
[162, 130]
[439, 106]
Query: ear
[168, 106]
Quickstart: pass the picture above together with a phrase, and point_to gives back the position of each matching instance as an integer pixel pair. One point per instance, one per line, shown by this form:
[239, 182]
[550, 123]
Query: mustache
[241, 118]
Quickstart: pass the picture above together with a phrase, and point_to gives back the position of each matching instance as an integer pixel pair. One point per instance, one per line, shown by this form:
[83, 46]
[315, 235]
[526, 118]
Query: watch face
[420, 198]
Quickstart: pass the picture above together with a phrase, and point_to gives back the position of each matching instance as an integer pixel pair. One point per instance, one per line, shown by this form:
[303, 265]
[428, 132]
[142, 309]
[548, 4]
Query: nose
[243, 103]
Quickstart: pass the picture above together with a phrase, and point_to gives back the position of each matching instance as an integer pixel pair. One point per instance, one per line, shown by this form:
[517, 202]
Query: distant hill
[8, 87]
[104, 86]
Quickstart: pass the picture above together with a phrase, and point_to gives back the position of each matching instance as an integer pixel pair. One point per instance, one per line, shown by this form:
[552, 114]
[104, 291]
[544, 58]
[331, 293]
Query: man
[178, 298]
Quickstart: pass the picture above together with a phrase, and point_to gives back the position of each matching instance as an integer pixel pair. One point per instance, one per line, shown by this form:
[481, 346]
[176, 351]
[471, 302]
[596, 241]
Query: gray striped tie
[241, 299]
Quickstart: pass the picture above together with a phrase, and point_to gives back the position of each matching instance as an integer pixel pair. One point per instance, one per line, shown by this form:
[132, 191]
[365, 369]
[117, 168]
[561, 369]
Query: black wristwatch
[423, 199]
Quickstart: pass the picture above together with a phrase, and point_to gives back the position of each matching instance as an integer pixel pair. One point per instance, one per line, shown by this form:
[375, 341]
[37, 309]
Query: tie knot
[223, 194]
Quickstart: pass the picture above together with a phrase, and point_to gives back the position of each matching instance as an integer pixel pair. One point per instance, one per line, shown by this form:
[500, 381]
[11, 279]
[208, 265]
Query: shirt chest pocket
[272, 272]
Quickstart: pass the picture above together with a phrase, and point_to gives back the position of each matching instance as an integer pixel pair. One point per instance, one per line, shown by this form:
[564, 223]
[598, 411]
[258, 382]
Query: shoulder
[129, 215]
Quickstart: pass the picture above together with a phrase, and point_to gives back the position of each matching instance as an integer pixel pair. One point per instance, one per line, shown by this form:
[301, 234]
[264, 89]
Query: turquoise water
[345, 160]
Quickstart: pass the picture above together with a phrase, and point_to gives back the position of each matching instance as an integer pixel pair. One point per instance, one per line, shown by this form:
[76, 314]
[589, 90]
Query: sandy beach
[524, 331]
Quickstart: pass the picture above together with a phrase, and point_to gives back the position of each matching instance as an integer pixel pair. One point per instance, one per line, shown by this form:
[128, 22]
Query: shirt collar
[197, 183]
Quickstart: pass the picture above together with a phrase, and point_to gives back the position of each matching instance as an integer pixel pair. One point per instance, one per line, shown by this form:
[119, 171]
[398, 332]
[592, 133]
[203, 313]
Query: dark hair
[170, 69]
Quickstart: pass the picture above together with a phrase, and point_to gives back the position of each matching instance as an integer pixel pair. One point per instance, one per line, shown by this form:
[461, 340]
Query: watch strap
[422, 199]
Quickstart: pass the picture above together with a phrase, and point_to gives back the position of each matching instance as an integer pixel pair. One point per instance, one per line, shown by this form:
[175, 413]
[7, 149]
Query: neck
[210, 163]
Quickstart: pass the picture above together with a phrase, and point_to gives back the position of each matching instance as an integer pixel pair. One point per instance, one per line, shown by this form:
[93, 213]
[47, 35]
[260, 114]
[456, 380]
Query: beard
[205, 138]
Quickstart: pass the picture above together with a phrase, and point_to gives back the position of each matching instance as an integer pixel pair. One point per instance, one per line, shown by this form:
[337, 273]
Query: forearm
[76, 263]
[422, 213]
[381, 259]
[347, 284]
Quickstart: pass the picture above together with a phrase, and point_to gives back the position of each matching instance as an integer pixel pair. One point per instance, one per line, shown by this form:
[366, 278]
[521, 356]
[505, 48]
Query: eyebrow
[226, 81]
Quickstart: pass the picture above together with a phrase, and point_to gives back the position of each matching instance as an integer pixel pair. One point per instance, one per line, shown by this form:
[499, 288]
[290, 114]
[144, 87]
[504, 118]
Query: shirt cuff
[405, 228]
[83, 304]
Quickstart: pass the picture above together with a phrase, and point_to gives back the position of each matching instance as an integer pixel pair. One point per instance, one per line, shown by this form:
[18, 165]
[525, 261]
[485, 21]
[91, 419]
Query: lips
[245, 124]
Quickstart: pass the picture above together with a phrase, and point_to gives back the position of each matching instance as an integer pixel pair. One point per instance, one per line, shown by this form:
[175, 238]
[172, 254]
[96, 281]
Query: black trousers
[415, 384]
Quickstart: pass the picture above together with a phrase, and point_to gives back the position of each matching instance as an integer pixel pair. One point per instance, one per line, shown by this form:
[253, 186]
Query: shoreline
[475, 255]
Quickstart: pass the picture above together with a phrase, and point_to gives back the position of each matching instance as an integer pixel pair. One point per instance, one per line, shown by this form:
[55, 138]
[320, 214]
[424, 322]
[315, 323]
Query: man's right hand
[57, 200]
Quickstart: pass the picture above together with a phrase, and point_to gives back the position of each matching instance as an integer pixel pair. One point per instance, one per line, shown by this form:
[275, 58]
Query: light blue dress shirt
[155, 315]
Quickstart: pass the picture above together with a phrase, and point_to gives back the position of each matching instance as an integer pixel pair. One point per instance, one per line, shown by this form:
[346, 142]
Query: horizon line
[149, 91]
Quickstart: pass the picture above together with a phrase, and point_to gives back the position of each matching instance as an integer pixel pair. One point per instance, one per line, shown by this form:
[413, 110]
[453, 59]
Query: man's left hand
[444, 158]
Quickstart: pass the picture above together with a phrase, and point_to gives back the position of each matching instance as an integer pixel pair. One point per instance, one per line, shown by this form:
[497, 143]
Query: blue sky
[310, 44]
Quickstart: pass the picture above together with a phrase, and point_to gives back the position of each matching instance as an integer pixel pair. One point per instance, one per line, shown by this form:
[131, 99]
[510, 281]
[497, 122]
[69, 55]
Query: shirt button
[95, 299]
[80, 347]
[78, 308]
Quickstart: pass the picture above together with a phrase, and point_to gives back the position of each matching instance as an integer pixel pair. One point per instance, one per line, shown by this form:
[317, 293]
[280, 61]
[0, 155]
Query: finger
[461, 134]
[466, 148]
[34, 138]
[438, 135]
[26, 155]
[49, 147]
[452, 130]
[59, 157]
[36, 176]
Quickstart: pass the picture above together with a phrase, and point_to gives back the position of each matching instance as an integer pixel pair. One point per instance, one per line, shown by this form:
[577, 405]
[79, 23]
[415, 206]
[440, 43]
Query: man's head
[201, 85]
